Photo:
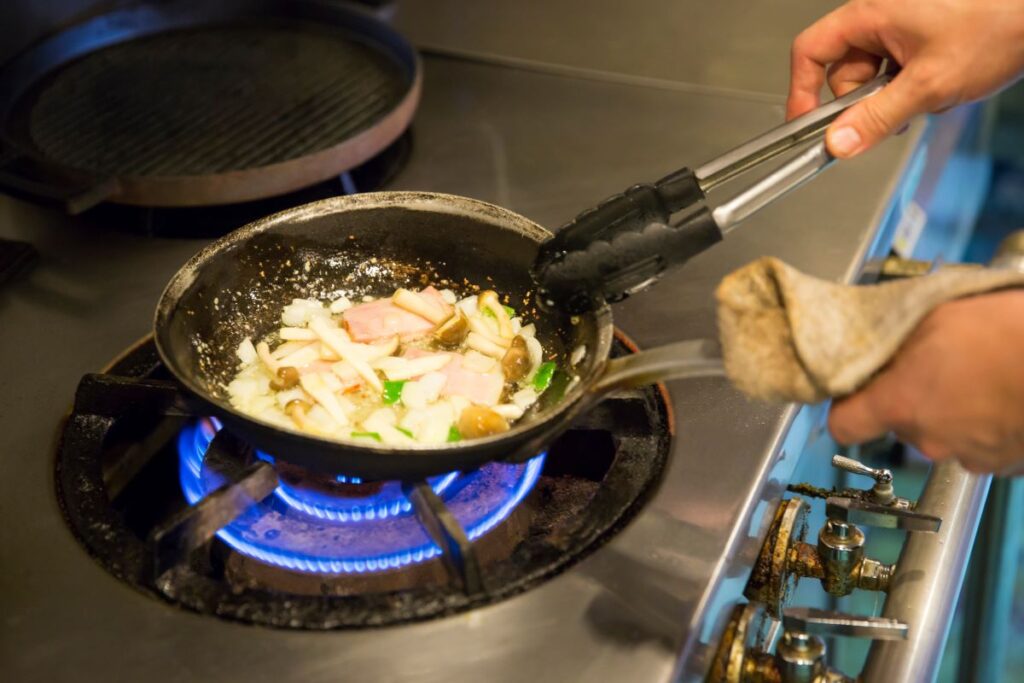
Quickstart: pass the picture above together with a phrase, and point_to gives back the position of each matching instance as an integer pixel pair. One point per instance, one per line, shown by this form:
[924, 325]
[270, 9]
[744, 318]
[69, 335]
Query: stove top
[183, 511]
[646, 601]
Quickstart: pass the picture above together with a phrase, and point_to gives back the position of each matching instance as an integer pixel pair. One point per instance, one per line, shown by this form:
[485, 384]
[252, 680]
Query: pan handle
[693, 358]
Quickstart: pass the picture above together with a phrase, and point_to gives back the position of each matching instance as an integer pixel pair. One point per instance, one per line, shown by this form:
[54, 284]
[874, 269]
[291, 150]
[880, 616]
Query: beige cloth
[787, 336]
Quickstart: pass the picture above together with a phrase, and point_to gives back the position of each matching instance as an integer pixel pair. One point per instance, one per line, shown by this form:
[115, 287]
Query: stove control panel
[837, 560]
[766, 639]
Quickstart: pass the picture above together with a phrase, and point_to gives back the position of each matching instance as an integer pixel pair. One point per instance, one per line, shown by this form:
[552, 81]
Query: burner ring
[314, 531]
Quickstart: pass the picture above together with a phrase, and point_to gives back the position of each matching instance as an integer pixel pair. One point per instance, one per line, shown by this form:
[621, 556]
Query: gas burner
[309, 530]
[183, 510]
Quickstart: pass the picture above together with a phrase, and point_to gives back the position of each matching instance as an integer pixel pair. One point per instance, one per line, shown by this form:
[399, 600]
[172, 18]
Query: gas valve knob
[882, 492]
[852, 511]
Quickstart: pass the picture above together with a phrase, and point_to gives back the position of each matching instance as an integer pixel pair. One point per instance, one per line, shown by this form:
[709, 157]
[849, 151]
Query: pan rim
[413, 200]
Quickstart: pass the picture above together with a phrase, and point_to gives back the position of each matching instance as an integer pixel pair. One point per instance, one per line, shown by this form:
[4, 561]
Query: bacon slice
[382, 319]
[483, 388]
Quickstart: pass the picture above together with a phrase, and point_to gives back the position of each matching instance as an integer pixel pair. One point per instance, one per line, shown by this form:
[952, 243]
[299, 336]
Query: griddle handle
[21, 176]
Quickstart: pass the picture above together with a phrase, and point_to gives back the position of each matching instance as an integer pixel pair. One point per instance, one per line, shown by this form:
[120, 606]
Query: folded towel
[787, 336]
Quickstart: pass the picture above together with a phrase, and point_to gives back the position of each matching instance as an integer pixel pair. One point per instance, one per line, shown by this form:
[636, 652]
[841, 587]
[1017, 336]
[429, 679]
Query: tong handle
[783, 138]
[624, 244]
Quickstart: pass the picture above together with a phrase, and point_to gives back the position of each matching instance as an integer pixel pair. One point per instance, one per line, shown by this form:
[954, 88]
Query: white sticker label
[909, 230]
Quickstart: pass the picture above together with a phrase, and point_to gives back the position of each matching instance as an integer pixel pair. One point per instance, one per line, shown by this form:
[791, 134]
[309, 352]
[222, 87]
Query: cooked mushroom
[489, 301]
[478, 421]
[454, 331]
[287, 377]
[297, 410]
[516, 361]
[414, 303]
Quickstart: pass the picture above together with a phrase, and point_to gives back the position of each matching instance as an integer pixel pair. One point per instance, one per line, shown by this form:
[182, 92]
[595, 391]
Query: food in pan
[415, 368]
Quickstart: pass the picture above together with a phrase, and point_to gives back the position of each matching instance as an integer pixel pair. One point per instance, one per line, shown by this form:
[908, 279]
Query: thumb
[870, 121]
[862, 416]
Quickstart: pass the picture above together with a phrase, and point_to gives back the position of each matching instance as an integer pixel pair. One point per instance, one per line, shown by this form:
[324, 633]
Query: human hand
[955, 389]
[950, 51]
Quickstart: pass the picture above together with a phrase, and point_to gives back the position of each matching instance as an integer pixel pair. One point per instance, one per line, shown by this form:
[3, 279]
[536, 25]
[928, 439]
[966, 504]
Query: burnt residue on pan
[349, 246]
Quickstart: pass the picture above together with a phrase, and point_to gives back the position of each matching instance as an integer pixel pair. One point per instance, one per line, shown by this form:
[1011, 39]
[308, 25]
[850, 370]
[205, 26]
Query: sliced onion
[468, 306]
[246, 352]
[436, 426]
[486, 330]
[478, 362]
[509, 411]
[340, 305]
[296, 334]
[485, 346]
[524, 398]
[318, 389]
[379, 419]
[338, 340]
[414, 395]
[310, 353]
[287, 348]
[421, 306]
[404, 368]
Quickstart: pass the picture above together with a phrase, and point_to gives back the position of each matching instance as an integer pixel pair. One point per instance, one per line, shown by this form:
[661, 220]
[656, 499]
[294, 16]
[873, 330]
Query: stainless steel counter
[738, 49]
[645, 606]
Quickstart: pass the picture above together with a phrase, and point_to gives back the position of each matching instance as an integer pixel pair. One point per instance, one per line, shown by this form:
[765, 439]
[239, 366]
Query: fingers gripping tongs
[624, 244]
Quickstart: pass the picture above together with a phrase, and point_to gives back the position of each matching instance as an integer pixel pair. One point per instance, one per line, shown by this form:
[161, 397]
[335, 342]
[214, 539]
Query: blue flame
[312, 531]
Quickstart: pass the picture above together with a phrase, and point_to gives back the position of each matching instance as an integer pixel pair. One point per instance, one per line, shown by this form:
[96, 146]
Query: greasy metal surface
[647, 606]
[184, 105]
[778, 567]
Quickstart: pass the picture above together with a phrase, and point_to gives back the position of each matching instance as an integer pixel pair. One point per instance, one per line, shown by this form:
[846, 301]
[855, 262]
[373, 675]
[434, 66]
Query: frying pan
[372, 244]
[376, 243]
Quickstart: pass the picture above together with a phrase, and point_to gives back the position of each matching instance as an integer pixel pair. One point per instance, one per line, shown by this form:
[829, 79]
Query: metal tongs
[624, 244]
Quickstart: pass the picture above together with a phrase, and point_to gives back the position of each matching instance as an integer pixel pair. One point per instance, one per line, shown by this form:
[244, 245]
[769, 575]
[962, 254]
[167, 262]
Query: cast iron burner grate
[184, 511]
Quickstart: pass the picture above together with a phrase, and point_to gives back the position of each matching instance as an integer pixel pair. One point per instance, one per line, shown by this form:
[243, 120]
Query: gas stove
[183, 511]
[138, 545]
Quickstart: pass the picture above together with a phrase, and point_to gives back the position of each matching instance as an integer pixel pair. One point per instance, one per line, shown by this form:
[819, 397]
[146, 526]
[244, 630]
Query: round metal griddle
[190, 105]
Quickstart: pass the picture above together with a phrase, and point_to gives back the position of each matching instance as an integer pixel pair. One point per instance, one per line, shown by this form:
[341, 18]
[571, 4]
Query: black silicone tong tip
[622, 245]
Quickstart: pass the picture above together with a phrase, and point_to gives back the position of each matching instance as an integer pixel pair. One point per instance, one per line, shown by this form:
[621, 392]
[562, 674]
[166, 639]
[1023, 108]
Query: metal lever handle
[853, 511]
[789, 177]
[782, 138]
[823, 622]
[852, 466]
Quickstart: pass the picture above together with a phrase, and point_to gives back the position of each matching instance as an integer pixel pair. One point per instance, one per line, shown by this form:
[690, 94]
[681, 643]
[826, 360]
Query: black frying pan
[374, 243]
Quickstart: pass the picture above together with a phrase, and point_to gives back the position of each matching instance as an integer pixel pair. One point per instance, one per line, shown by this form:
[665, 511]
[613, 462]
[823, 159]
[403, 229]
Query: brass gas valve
[838, 559]
[744, 656]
